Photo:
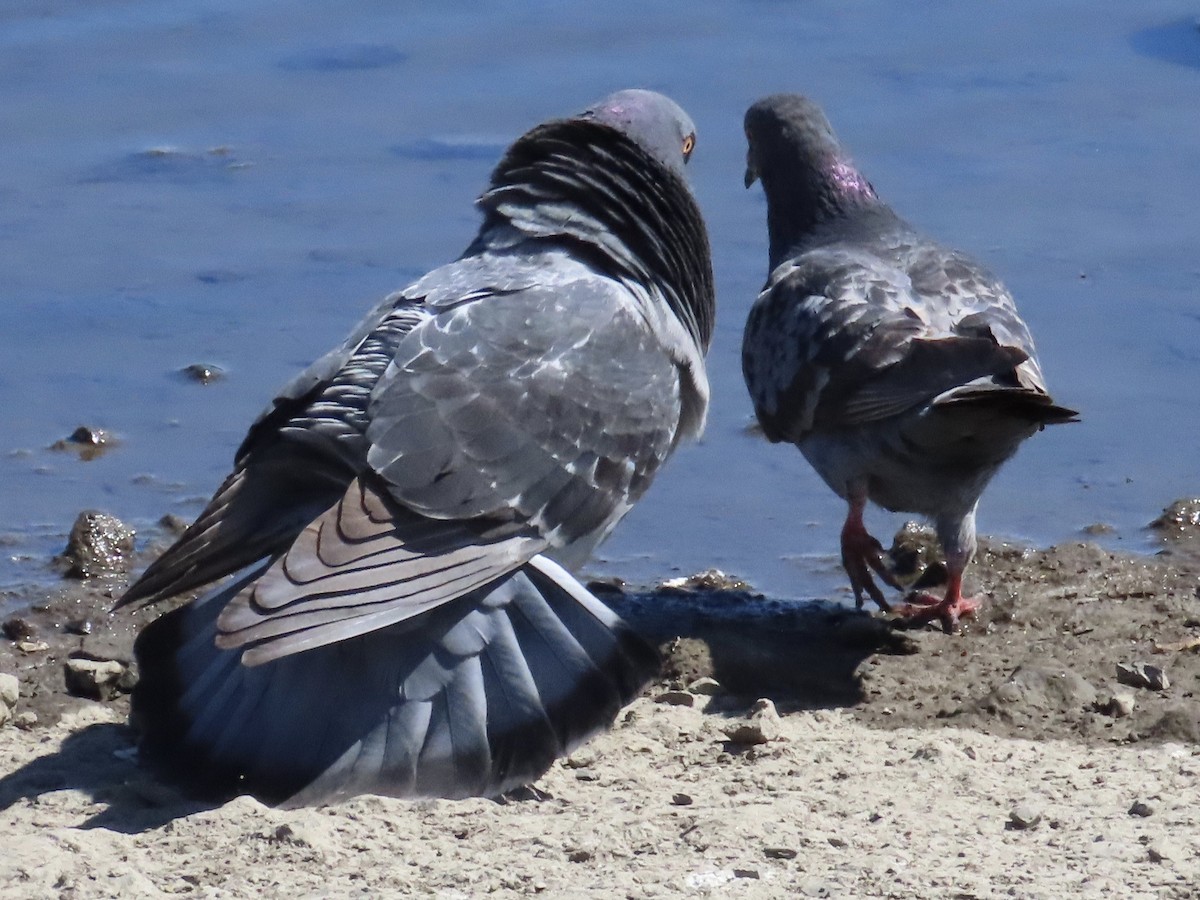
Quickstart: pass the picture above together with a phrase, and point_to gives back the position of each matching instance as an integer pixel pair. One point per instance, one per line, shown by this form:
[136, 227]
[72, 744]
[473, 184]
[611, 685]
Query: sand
[1005, 761]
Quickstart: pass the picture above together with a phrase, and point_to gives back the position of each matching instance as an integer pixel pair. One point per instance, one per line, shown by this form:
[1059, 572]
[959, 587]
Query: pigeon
[900, 368]
[400, 525]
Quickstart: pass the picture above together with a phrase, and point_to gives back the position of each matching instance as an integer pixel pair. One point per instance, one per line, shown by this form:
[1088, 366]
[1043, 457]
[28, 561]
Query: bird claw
[921, 609]
[862, 554]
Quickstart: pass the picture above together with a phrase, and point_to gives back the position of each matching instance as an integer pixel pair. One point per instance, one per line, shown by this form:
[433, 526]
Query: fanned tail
[474, 698]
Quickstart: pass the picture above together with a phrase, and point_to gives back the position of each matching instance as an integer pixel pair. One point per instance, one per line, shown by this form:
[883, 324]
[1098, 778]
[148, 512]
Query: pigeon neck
[799, 202]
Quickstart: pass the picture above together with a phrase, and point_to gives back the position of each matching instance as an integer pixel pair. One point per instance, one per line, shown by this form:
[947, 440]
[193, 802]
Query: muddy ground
[1051, 748]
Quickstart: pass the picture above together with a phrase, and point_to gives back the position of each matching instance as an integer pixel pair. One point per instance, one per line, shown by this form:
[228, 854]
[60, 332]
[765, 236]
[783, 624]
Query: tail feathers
[1032, 406]
[475, 698]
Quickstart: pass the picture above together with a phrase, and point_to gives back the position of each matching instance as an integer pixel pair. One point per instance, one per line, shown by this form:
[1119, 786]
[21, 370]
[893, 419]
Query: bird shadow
[100, 761]
[800, 654]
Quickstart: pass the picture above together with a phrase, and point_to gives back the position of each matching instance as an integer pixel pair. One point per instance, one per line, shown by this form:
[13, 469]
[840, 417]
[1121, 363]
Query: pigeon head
[806, 175]
[655, 122]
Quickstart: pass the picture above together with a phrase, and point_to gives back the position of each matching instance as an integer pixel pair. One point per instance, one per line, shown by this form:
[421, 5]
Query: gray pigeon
[899, 367]
[400, 521]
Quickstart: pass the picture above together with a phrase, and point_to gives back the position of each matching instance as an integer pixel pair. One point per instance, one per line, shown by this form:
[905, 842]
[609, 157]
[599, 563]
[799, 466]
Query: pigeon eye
[689, 144]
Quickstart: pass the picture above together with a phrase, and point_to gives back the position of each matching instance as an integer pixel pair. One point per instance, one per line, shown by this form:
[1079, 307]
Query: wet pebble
[78, 626]
[18, 629]
[1179, 518]
[202, 373]
[708, 580]
[760, 726]
[1143, 675]
[99, 544]
[681, 800]
[173, 523]
[87, 441]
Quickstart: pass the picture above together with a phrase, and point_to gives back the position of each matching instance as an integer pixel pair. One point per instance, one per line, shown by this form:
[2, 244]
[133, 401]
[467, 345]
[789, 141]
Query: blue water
[235, 183]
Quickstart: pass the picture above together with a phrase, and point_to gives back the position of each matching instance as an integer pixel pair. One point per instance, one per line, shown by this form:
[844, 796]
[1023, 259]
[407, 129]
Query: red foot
[920, 609]
[862, 554]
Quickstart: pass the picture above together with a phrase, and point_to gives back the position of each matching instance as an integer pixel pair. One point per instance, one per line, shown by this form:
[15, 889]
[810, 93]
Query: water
[235, 183]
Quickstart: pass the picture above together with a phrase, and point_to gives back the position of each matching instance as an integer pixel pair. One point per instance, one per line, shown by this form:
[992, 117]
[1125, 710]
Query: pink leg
[922, 608]
[862, 554]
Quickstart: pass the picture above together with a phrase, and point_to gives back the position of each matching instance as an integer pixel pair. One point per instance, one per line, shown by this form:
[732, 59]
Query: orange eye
[689, 144]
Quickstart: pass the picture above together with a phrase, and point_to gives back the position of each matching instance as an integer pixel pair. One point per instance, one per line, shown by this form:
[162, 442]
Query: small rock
[99, 544]
[1179, 518]
[1120, 705]
[203, 373]
[581, 758]
[173, 523]
[708, 580]
[25, 719]
[1141, 809]
[761, 725]
[79, 626]
[94, 679]
[779, 853]
[681, 800]
[746, 873]
[676, 698]
[10, 690]
[1023, 817]
[578, 856]
[706, 687]
[1163, 850]
[914, 549]
[32, 646]
[1143, 675]
[88, 442]
[18, 629]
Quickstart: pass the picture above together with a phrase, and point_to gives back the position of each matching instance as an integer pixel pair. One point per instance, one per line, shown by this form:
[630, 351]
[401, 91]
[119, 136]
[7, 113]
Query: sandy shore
[1008, 760]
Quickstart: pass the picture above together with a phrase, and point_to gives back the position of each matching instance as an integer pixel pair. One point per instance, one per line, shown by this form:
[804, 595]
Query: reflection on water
[233, 184]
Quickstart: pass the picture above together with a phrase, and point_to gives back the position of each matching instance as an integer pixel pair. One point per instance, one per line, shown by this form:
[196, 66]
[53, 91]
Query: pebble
[10, 690]
[761, 725]
[1024, 817]
[708, 580]
[707, 687]
[18, 629]
[681, 800]
[1142, 809]
[1121, 705]
[203, 373]
[95, 679]
[25, 719]
[99, 544]
[32, 646]
[1143, 675]
[779, 853]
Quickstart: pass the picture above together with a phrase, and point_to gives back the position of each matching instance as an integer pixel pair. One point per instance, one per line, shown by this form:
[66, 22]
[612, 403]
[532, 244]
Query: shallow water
[236, 183]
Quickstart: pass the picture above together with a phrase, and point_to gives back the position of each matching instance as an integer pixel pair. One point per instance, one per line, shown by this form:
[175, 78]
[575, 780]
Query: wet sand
[1010, 759]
